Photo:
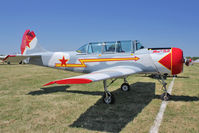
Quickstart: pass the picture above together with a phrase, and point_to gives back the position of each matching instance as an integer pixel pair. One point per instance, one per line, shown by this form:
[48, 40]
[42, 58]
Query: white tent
[197, 61]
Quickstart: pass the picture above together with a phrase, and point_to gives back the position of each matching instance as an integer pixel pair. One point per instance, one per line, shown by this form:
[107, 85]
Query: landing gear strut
[108, 97]
[165, 96]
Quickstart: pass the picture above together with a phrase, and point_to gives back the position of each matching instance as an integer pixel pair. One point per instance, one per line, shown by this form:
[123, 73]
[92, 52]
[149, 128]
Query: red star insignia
[27, 42]
[63, 61]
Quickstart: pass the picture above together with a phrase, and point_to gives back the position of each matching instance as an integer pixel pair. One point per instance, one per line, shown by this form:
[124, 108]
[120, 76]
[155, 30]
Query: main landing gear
[165, 96]
[108, 97]
[125, 86]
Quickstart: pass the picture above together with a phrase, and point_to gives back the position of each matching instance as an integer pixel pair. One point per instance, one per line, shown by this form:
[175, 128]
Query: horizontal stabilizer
[18, 58]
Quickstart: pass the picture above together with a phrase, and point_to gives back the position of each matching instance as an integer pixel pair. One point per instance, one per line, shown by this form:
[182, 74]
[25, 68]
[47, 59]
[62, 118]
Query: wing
[17, 58]
[2, 57]
[112, 72]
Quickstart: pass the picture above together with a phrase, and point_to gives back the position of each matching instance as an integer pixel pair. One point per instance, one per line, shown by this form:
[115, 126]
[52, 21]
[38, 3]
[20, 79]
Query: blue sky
[63, 25]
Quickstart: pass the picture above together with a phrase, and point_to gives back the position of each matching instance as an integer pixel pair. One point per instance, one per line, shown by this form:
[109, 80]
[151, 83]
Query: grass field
[26, 106]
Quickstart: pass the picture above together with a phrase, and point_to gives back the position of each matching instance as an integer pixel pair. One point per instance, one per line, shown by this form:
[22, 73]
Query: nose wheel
[165, 96]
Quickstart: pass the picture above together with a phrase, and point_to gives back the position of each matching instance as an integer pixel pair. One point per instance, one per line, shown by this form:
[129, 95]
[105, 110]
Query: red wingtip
[70, 81]
[50, 83]
[26, 39]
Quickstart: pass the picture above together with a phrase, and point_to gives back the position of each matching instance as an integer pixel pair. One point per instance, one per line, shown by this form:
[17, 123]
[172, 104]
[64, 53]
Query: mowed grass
[182, 113]
[27, 106]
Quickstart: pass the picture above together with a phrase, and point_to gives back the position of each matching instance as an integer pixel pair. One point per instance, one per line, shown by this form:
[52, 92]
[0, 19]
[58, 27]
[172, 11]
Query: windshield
[139, 46]
[83, 49]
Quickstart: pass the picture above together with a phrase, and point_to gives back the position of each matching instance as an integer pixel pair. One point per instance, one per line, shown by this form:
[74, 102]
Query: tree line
[192, 58]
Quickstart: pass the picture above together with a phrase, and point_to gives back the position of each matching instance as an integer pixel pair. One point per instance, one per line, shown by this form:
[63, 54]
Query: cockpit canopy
[110, 47]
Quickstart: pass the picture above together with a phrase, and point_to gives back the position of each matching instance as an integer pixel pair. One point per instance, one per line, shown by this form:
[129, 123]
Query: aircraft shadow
[153, 77]
[48, 90]
[112, 118]
[94, 93]
[182, 77]
[10, 64]
[180, 98]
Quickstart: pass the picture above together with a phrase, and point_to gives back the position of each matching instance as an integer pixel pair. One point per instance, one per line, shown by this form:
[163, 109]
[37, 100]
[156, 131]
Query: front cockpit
[111, 47]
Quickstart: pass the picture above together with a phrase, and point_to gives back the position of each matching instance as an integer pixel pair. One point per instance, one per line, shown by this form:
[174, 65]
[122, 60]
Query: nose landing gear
[165, 96]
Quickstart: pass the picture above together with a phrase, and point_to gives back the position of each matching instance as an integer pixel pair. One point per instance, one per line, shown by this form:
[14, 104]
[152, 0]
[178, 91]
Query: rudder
[29, 44]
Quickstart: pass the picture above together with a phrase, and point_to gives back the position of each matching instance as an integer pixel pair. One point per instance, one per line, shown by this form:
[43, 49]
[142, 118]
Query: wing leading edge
[108, 73]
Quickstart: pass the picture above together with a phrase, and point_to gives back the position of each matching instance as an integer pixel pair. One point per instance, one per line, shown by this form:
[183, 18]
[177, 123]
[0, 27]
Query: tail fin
[29, 44]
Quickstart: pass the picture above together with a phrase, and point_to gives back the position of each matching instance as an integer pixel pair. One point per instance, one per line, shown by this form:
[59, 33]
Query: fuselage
[149, 60]
[96, 56]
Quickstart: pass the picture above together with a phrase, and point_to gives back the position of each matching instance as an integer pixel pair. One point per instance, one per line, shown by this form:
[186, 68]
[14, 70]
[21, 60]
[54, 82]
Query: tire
[125, 87]
[164, 77]
[110, 99]
[164, 97]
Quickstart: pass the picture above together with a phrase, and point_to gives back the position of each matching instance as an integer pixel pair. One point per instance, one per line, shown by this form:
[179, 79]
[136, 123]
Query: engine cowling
[177, 61]
[173, 61]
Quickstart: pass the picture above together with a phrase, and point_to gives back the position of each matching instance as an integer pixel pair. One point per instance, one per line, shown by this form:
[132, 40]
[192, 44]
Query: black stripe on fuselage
[157, 48]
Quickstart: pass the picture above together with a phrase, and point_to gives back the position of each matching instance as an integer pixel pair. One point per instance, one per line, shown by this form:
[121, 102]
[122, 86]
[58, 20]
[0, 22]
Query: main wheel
[125, 87]
[108, 98]
[165, 96]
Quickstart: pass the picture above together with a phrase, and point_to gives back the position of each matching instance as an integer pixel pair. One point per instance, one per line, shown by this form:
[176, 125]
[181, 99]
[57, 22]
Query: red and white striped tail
[29, 44]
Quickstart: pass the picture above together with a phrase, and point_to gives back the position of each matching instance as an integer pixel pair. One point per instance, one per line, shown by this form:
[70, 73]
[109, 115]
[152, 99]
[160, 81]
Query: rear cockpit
[127, 46]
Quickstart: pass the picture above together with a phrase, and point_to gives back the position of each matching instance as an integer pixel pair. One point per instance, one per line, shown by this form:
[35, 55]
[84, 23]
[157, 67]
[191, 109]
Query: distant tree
[195, 58]
[192, 58]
